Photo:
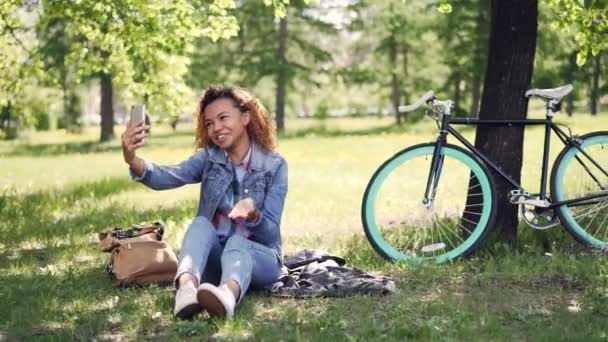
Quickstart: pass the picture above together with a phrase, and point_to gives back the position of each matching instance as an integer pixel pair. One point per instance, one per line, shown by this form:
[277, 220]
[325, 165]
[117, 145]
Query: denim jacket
[265, 183]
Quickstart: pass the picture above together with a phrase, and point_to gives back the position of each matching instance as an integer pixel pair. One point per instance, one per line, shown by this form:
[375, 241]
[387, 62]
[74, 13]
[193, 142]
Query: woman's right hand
[133, 138]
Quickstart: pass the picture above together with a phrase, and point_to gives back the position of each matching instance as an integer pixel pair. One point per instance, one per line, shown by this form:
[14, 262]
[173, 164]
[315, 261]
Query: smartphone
[138, 113]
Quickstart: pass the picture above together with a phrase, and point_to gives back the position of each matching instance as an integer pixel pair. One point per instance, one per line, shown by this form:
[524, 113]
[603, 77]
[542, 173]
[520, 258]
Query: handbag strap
[138, 230]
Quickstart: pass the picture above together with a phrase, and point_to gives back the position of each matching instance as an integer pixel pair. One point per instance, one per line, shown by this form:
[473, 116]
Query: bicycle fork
[434, 172]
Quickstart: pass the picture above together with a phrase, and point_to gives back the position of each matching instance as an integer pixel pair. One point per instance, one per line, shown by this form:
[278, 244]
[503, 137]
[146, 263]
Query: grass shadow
[80, 303]
[74, 212]
[84, 147]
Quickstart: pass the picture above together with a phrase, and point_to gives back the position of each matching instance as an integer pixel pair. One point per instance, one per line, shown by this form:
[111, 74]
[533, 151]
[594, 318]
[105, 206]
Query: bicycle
[436, 201]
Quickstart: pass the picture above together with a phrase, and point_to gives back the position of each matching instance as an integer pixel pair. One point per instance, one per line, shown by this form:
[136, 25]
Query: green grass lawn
[58, 190]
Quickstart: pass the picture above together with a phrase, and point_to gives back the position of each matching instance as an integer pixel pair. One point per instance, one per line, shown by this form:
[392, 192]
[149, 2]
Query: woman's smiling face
[226, 125]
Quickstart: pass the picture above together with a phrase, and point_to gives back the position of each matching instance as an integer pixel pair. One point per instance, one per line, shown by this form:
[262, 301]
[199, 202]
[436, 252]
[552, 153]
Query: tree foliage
[252, 58]
[144, 45]
[588, 19]
[20, 66]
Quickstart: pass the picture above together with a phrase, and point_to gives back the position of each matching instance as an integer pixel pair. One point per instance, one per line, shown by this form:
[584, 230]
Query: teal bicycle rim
[567, 214]
[476, 232]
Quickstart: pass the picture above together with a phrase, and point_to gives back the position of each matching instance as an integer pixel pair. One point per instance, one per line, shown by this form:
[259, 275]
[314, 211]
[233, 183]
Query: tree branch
[11, 30]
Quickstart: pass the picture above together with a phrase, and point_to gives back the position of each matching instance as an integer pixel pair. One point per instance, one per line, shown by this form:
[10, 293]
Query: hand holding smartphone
[138, 114]
[134, 137]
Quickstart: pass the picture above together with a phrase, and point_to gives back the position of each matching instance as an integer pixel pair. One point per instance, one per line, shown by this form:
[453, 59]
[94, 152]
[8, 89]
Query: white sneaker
[186, 303]
[218, 301]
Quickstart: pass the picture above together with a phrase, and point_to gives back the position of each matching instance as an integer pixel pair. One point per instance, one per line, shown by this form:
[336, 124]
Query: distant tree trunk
[5, 115]
[71, 105]
[147, 117]
[395, 92]
[107, 108]
[67, 120]
[476, 96]
[508, 75]
[481, 27]
[64, 88]
[570, 80]
[405, 53]
[281, 76]
[476, 79]
[74, 111]
[457, 94]
[595, 86]
[8, 122]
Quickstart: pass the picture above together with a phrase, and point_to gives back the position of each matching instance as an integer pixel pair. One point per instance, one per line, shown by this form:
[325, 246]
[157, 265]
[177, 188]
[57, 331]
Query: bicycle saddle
[551, 94]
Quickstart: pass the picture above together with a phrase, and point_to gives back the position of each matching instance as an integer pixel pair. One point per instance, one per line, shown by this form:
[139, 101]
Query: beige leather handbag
[138, 256]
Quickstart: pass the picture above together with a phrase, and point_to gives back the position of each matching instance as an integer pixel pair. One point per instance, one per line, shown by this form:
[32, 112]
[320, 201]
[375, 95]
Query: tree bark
[281, 76]
[107, 108]
[508, 75]
[595, 86]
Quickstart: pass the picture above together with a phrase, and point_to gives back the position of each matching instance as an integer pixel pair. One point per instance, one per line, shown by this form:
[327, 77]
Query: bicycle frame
[446, 128]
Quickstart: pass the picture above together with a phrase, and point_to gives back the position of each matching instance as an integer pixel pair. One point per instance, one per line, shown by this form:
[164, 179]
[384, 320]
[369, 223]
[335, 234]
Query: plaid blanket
[311, 273]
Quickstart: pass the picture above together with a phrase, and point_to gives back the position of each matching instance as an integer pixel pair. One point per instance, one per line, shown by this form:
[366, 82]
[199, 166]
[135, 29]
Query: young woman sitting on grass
[234, 242]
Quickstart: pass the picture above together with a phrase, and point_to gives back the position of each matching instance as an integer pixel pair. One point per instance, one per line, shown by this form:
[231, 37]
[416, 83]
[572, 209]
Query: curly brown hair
[260, 127]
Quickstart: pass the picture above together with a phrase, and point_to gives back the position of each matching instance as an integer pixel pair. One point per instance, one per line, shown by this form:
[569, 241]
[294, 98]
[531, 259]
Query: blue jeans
[250, 264]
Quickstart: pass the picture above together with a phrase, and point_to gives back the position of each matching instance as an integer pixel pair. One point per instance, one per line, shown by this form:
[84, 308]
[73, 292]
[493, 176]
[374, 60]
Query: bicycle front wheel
[401, 226]
[583, 173]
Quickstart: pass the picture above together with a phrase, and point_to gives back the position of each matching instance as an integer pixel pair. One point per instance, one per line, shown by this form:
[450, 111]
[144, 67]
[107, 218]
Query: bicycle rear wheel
[400, 227]
[575, 175]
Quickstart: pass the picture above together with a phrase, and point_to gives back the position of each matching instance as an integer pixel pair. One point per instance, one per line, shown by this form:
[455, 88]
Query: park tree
[595, 83]
[464, 35]
[588, 21]
[54, 47]
[141, 47]
[280, 47]
[395, 39]
[19, 64]
[511, 55]
[508, 75]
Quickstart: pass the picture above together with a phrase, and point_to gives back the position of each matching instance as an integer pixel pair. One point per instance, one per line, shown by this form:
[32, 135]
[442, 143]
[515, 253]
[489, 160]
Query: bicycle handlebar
[428, 96]
[438, 108]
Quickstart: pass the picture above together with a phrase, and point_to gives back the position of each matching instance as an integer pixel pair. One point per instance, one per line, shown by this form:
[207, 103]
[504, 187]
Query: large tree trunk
[281, 76]
[395, 92]
[595, 86]
[107, 108]
[508, 75]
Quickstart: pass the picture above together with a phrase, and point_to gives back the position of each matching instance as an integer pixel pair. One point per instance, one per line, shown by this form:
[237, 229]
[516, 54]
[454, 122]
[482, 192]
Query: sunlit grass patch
[53, 285]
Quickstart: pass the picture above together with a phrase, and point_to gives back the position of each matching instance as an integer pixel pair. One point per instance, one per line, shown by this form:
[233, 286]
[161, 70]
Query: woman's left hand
[244, 210]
